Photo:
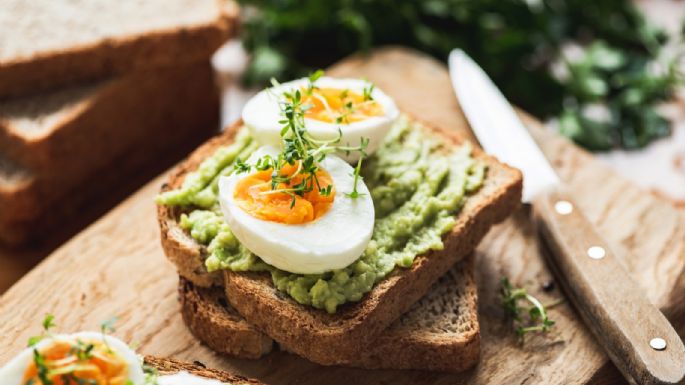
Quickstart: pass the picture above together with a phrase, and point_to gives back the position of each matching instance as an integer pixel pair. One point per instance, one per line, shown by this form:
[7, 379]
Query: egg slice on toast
[308, 234]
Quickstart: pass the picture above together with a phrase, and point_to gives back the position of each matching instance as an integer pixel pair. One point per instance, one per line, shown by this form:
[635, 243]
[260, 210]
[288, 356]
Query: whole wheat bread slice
[212, 320]
[67, 149]
[314, 334]
[49, 43]
[166, 366]
[440, 332]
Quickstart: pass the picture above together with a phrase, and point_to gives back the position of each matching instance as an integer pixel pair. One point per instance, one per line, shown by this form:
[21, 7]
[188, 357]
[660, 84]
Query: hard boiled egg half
[351, 106]
[308, 234]
[109, 361]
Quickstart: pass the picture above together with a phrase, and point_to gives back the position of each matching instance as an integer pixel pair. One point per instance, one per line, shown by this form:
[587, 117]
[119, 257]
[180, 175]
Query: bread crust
[165, 366]
[208, 316]
[312, 333]
[187, 255]
[403, 345]
[115, 55]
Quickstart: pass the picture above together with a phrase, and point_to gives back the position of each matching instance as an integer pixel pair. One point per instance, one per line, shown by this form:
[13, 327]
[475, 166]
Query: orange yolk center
[255, 196]
[100, 366]
[333, 105]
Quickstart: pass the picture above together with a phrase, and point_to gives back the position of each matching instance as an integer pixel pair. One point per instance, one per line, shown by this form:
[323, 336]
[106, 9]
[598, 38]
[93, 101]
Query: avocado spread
[417, 186]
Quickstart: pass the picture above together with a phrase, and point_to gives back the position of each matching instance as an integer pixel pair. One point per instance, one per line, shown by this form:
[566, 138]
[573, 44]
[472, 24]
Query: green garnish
[348, 109]
[300, 148]
[107, 327]
[537, 319]
[354, 194]
[42, 367]
[48, 323]
[368, 90]
[313, 77]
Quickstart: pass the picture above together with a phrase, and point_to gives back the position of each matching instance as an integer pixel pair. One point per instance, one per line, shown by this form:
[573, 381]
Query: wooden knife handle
[634, 333]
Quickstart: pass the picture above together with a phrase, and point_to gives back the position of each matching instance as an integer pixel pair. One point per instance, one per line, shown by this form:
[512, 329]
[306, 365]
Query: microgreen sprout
[368, 91]
[107, 327]
[82, 350]
[301, 149]
[313, 77]
[355, 194]
[42, 368]
[241, 167]
[38, 359]
[48, 323]
[537, 319]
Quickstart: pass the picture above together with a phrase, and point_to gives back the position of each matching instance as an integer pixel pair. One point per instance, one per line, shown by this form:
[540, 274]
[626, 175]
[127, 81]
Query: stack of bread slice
[94, 94]
[421, 317]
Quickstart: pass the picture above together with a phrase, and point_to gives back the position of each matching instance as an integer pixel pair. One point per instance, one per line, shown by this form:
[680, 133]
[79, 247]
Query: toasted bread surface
[315, 334]
[440, 332]
[165, 366]
[212, 320]
[45, 44]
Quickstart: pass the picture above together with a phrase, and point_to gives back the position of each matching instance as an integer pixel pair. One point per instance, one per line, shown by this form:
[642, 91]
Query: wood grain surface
[116, 266]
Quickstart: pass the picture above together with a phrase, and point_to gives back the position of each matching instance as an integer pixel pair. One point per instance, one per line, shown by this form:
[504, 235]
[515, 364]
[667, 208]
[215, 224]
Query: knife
[634, 333]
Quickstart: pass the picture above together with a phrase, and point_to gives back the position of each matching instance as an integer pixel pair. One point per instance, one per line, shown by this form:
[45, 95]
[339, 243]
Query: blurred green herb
[528, 318]
[520, 44]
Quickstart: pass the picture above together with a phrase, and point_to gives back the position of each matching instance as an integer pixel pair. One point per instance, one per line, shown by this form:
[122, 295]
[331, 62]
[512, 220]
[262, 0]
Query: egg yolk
[255, 196]
[74, 362]
[333, 105]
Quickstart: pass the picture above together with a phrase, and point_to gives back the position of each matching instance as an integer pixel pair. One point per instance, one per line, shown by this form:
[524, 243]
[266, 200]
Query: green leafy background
[604, 97]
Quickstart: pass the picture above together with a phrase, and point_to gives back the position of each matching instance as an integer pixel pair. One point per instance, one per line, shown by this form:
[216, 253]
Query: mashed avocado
[417, 186]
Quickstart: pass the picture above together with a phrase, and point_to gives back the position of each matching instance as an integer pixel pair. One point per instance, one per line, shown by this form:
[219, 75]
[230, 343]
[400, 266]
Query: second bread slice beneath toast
[440, 332]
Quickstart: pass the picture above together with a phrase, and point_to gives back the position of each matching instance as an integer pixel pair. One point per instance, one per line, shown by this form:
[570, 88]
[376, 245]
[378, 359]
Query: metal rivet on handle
[563, 207]
[596, 252]
[658, 343]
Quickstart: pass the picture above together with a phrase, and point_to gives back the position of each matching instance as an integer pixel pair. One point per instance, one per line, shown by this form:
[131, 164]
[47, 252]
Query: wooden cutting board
[116, 266]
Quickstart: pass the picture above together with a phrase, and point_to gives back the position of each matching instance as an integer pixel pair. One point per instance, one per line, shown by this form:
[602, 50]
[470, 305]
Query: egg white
[13, 372]
[185, 378]
[262, 113]
[333, 241]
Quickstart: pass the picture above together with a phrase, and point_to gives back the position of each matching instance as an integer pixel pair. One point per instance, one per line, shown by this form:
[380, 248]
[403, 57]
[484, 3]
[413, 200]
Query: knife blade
[500, 133]
[634, 333]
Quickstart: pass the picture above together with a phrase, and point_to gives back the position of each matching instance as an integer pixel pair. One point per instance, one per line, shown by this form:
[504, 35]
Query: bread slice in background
[50, 43]
[314, 334]
[440, 332]
[72, 150]
[167, 366]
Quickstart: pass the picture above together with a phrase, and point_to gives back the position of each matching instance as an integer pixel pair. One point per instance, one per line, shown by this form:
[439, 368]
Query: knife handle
[634, 333]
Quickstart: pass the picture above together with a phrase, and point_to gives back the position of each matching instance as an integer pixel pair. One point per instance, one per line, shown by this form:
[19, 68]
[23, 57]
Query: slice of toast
[440, 332]
[315, 334]
[45, 44]
[212, 320]
[63, 151]
[166, 366]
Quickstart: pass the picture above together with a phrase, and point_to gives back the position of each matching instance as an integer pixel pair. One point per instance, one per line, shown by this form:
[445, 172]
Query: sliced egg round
[124, 359]
[352, 107]
[332, 240]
